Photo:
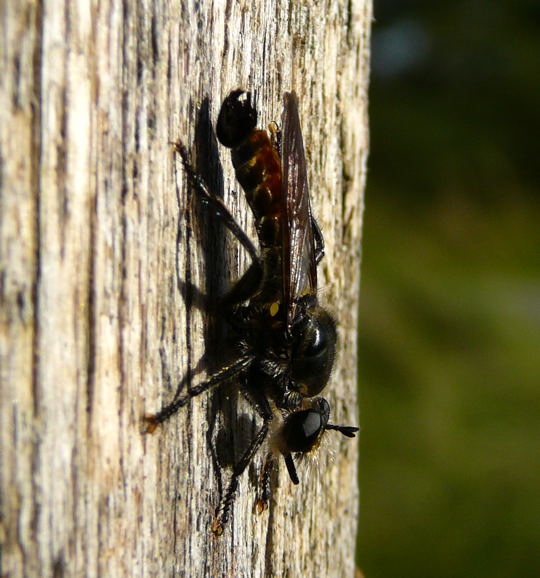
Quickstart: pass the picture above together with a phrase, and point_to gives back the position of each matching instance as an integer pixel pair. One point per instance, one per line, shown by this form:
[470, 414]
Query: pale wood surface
[101, 262]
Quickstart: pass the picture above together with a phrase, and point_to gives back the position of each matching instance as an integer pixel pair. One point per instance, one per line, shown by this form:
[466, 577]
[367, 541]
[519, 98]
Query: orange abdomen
[258, 170]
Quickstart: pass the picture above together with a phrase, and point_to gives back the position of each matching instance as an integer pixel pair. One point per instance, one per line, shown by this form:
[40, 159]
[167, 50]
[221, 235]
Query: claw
[217, 528]
[150, 423]
[261, 505]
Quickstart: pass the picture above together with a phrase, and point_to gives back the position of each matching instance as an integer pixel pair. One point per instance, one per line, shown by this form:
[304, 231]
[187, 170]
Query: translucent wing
[299, 263]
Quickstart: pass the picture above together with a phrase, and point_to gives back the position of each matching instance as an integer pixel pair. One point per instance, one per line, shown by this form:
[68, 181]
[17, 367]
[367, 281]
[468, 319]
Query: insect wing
[299, 263]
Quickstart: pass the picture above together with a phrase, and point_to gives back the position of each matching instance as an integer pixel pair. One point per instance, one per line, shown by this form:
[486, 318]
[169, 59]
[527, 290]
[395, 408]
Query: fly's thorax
[313, 350]
[303, 356]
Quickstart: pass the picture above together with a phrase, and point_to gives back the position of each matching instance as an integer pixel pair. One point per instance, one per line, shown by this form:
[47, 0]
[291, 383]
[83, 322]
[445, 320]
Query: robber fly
[285, 339]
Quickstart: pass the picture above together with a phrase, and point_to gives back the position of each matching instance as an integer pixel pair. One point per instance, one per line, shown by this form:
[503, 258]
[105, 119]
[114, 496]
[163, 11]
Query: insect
[286, 341]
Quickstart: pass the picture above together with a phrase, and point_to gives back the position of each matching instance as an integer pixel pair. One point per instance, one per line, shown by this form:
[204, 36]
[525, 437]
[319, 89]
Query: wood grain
[104, 269]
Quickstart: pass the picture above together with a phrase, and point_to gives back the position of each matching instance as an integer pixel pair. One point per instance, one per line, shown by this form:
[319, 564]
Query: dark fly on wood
[285, 340]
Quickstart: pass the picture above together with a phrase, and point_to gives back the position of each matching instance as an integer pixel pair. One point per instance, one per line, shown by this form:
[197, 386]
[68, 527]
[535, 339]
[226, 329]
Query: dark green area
[450, 304]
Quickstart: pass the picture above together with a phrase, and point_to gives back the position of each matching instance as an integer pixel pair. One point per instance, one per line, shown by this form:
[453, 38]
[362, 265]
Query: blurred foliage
[450, 305]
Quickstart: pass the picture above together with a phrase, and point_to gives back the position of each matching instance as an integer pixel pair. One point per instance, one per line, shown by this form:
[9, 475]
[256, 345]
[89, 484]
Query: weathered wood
[101, 265]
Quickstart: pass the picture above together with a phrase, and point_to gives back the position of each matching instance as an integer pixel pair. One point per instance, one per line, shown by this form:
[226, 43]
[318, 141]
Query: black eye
[302, 430]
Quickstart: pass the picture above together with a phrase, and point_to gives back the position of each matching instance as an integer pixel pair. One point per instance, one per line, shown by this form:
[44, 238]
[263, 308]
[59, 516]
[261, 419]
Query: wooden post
[103, 263]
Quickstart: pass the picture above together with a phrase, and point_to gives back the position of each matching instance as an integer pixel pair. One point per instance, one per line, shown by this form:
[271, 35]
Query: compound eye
[302, 430]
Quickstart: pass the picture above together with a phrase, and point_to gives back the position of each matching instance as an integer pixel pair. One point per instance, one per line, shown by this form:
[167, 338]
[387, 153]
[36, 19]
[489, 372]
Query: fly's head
[302, 431]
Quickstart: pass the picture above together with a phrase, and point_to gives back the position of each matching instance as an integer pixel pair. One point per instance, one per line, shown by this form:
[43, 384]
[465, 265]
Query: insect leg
[275, 136]
[319, 240]
[151, 421]
[262, 407]
[264, 498]
[228, 500]
[241, 291]
[215, 203]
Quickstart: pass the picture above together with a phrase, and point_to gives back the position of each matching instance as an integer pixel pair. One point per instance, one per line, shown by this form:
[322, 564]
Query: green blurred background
[450, 303]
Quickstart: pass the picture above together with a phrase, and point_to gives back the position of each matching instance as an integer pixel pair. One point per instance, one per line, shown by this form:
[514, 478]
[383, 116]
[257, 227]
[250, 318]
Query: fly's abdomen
[257, 165]
[258, 170]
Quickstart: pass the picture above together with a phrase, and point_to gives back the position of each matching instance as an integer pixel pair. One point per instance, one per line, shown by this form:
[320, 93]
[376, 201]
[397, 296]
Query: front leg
[265, 487]
[262, 407]
[319, 240]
